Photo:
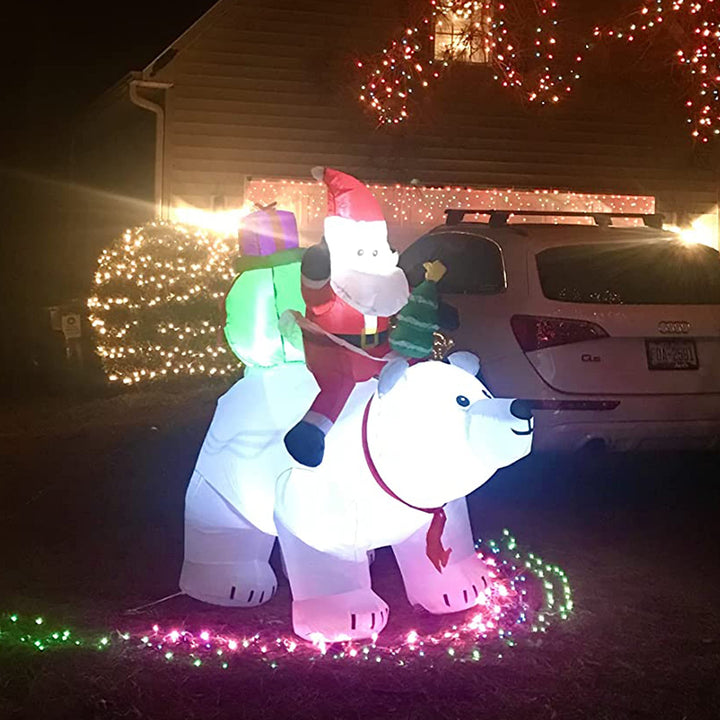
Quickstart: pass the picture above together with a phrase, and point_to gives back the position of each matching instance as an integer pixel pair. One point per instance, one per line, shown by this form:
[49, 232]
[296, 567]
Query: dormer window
[462, 31]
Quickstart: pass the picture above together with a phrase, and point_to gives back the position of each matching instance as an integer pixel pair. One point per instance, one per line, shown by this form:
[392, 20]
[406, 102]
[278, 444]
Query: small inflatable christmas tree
[417, 322]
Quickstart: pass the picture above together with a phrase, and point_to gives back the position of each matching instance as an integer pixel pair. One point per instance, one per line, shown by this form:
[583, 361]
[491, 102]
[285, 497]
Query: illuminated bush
[157, 304]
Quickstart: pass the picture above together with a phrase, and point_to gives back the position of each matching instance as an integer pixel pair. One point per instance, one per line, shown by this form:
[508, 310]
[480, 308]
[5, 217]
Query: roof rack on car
[498, 218]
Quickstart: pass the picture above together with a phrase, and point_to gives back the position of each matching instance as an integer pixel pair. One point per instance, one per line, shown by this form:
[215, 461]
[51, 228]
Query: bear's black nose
[521, 409]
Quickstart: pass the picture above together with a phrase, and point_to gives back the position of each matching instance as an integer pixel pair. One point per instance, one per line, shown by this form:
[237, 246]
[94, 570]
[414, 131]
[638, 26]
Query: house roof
[221, 7]
[118, 90]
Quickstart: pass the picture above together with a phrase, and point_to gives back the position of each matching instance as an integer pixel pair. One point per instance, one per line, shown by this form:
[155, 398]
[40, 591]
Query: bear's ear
[391, 374]
[465, 360]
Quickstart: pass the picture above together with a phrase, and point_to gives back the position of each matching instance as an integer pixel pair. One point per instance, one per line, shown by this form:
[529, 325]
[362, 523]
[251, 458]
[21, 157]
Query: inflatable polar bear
[418, 439]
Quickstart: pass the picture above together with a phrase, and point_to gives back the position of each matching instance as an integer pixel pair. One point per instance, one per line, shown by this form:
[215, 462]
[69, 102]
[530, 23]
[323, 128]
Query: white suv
[612, 333]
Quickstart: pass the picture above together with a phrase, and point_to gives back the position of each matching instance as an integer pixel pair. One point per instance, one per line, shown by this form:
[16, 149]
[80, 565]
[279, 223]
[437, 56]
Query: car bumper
[637, 423]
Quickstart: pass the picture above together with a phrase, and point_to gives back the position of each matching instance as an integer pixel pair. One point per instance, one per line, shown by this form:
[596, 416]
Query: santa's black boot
[306, 443]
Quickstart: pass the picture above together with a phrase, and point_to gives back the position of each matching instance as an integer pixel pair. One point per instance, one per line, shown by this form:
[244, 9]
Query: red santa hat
[351, 206]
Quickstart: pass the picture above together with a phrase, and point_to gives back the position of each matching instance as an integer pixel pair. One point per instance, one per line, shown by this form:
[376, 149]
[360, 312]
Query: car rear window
[663, 272]
[474, 263]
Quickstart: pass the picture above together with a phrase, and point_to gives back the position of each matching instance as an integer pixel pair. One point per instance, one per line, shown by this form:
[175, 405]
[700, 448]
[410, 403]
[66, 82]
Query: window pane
[656, 272]
[474, 264]
[462, 33]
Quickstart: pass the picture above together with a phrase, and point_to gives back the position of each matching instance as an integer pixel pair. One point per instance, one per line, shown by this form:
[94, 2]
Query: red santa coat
[333, 314]
[335, 367]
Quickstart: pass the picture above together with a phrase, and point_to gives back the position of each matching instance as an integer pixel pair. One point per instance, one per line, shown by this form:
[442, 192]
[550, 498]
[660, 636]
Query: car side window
[474, 263]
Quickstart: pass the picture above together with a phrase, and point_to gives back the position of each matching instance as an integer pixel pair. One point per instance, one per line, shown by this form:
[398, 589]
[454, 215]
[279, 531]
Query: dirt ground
[91, 498]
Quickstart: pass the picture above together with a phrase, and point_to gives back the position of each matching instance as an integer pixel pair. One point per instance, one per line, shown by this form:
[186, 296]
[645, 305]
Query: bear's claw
[334, 618]
[457, 588]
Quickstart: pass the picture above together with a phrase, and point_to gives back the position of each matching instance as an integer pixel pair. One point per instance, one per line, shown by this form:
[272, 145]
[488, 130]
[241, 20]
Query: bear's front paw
[333, 618]
[242, 584]
[456, 588]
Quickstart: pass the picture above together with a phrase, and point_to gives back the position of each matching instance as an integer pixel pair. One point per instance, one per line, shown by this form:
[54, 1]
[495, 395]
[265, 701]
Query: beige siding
[267, 90]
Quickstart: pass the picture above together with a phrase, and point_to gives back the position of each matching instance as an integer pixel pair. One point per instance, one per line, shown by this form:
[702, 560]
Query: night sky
[65, 54]
[57, 59]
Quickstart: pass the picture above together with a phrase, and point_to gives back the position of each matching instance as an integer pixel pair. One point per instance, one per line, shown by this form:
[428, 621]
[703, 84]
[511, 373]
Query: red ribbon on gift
[267, 230]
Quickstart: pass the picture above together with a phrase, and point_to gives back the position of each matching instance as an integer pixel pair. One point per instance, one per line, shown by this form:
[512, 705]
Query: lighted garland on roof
[391, 78]
[396, 78]
[694, 26]
[523, 42]
[529, 52]
[518, 38]
[503, 617]
[156, 308]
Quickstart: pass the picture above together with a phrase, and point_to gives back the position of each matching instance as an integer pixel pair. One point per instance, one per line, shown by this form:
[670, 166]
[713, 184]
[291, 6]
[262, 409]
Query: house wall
[269, 90]
[263, 92]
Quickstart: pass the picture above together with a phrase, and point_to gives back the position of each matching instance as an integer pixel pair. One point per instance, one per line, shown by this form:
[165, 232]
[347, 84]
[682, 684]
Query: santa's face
[360, 246]
[364, 269]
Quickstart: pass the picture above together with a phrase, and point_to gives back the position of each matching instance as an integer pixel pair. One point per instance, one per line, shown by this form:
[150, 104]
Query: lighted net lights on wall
[505, 614]
[694, 25]
[156, 308]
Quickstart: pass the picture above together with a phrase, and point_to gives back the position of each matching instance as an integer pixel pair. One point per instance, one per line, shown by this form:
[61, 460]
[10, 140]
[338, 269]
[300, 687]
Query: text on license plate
[671, 354]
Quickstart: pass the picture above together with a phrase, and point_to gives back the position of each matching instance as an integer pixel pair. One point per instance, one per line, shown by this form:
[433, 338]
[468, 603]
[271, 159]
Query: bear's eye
[462, 401]
[361, 252]
[375, 252]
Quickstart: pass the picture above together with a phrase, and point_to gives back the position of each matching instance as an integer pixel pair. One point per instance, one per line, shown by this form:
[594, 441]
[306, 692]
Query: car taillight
[537, 333]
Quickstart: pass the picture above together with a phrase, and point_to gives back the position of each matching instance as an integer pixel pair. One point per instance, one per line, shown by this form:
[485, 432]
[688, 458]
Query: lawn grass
[92, 526]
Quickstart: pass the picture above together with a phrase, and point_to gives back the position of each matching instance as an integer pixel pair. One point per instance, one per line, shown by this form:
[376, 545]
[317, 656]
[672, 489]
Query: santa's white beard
[381, 295]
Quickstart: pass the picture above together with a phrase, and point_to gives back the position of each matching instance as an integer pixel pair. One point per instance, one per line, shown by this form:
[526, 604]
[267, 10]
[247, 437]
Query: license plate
[671, 355]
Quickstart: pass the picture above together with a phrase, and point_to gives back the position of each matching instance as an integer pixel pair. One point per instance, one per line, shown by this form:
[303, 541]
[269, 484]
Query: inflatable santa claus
[351, 285]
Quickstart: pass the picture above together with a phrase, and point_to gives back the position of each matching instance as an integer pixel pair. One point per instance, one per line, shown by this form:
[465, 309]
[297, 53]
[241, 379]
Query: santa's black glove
[316, 262]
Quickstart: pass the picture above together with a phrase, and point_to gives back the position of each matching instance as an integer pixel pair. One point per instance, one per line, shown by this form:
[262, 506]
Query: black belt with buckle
[365, 340]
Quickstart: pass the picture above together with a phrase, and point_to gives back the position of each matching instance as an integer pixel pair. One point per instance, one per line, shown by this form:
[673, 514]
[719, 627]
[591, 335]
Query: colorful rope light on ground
[503, 617]
[694, 25]
[156, 307]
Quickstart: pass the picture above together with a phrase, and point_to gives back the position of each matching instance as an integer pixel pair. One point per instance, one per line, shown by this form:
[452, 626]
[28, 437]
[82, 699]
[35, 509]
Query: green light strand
[458, 643]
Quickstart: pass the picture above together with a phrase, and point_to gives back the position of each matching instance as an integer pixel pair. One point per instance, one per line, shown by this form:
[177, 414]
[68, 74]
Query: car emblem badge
[676, 327]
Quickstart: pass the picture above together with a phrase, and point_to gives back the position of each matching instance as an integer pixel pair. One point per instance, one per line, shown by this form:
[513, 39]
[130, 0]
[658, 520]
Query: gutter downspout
[158, 110]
